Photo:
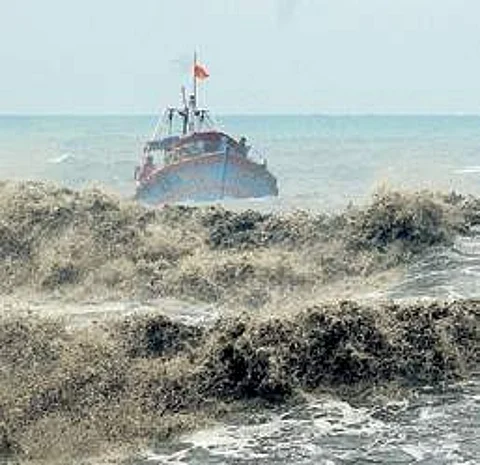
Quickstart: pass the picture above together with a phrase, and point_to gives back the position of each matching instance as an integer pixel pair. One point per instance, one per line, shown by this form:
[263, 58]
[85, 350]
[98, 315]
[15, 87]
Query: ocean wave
[62, 158]
[468, 170]
[146, 377]
[88, 243]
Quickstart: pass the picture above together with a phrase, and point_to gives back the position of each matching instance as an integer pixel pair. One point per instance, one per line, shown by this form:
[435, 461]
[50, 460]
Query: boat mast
[193, 98]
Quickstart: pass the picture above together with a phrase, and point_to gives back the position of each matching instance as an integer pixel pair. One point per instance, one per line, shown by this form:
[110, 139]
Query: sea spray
[88, 243]
[147, 377]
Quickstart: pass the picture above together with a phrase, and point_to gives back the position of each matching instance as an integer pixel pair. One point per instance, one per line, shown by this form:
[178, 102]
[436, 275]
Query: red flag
[200, 72]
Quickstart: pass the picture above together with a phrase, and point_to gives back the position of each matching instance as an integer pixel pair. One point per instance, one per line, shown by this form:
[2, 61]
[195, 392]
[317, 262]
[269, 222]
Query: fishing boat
[189, 159]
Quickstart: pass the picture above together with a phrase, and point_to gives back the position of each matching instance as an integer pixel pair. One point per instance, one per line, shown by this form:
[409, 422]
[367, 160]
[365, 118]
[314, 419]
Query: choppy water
[436, 427]
[322, 163]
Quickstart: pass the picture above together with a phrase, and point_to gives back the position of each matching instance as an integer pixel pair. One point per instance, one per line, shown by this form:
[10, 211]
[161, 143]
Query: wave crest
[90, 242]
[149, 376]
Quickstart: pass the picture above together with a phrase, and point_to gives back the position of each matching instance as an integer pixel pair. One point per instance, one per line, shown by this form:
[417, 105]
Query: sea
[323, 164]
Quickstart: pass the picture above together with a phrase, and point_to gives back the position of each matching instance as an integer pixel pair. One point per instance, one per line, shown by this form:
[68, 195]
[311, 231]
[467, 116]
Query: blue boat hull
[207, 178]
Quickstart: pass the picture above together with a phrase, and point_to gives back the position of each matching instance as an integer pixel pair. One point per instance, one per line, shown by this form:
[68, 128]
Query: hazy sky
[264, 56]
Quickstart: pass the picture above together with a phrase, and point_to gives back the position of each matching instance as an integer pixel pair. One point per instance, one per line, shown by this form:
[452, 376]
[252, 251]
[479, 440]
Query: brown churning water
[128, 381]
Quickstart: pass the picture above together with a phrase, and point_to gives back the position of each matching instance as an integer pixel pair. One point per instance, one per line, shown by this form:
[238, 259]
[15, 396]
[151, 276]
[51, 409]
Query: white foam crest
[450, 273]
[62, 158]
[437, 428]
[468, 170]
[301, 432]
[83, 313]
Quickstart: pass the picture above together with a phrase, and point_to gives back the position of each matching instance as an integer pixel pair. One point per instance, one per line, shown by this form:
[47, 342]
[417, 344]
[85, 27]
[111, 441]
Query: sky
[263, 56]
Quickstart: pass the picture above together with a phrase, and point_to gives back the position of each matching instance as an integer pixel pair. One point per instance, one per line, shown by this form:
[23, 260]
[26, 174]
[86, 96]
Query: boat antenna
[184, 97]
[171, 112]
[184, 113]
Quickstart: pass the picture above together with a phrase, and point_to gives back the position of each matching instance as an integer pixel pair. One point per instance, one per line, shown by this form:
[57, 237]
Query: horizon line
[265, 114]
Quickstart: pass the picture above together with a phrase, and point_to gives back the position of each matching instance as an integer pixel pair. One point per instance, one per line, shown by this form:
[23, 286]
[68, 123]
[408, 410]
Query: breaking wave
[91, 243]
[147, 377]
[143, 378]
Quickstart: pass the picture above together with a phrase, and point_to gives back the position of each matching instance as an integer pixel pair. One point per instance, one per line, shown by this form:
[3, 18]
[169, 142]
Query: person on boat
[147, 168]
[224, 146]
[200, 147]
[242, 146]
